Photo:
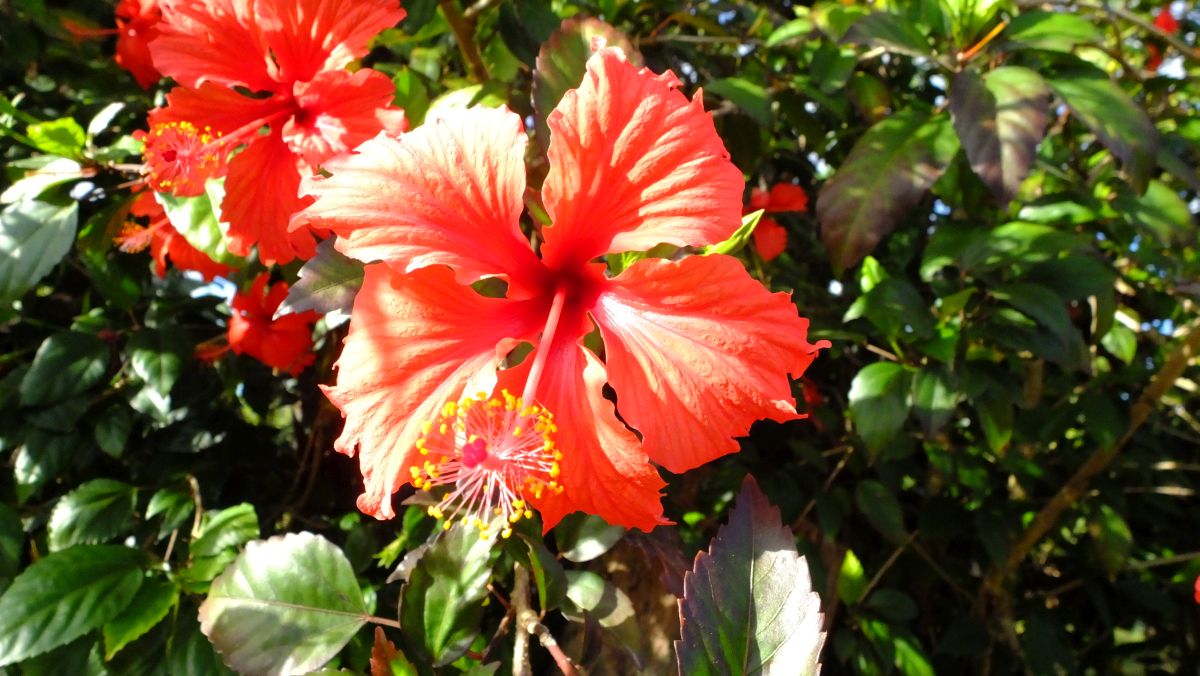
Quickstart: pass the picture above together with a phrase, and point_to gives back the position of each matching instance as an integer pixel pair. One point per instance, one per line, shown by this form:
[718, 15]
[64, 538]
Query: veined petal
[215, 106]
[604, 469]
[338, 111]
[212, 40]
[697, 350]
[308, 36]
[447, 193]
[416, 341]
[633, 164]
[261, 194]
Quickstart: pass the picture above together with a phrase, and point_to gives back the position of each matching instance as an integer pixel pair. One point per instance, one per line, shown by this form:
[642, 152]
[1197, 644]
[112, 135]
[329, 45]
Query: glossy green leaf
[896, 308]
[66, 364]
[225, 529]
[29, 187]
[1059, 31]
[752, 98]
[96, 511]
[879, 402]
[888, 171]
[996, 418]
[175, 504]
[739, 238]
[1000, 119]
[441, 606]
[198, 219]
[890, 31]
[113, 429]
[288, 604]
[64, 595]
[748, 605]
[149, 606]
[1161, 211]
[583, 537]
[882, 510]
[1119, 123]
[40, 459]
[547, 572]
[1111, 538]
[12, 542]
[34, 236]
[58, 137]
[935, 396]
[1121, 342]
[794, 30]
[157, 358]
[590, 597]
[327, 282]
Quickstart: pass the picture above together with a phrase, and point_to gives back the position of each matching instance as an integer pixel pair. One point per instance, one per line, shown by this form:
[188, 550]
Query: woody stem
[543, 348]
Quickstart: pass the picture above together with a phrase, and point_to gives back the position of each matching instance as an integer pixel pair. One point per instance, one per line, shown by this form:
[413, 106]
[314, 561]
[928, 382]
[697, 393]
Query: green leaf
[1120, 124]
[288, 604]
[112, 430]
[157, 358]
[882, 510]
[562, 62]
[441, 606]
[1160, 210]
[1055, 31]
[748, 605]
[40, 459]
[591, 596]
[996, 418]
[790, 31]
[101, 121]
[29, 187]
[198, 219]
[34, 236]
[935, 396]
[1121, 342]
[1040, 303]
[58, 137]
[411, 94]
[149, 606]
[753, 99]
[879, 402]
[189, 652]
[1000, 119]
[12, 541]
[738, 239]
[852, 580]
[547, 572]
[892, 605]
[64, 595]
[887, 172]
[97, 510]
[895, 307]
[225, 530]
[327, 282]
[80, 657]
[175, 504]
[583, 537]
[894, 33]
[1112, 539]
[66, 364]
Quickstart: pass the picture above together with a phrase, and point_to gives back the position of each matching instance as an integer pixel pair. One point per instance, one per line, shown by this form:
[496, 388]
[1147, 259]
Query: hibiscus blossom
[695, 349]
[164, 241]
[284, 343]
[1166, 22]
[246, 65]
[137, 25]
[770, 238]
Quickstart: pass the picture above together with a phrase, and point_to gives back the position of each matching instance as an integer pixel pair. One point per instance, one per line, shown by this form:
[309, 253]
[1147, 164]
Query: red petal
[261, 194]
[338, 111]
[604, 469]
[307, 36]
[450, 193]
[697, 351]
[770, 239]
[168, 243]
[633, 164]
[1166, 21]
[215, 106]
[133, 40]
[213, 40]
[786, 197]
[415, 342]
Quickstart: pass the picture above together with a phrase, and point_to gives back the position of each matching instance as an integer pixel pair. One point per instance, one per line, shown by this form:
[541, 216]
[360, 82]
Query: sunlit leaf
[34, 236]
[96, 511]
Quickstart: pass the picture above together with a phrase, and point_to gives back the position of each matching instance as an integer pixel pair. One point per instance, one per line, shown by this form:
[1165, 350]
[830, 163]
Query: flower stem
[543, 348]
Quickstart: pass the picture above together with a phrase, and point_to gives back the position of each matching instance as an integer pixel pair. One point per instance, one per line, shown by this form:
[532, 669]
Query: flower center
[495, 453]
[180, 157]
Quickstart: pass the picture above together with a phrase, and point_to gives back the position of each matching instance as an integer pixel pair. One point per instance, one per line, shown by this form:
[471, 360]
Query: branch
[464, 35]
[1187, 347]
[528, 625]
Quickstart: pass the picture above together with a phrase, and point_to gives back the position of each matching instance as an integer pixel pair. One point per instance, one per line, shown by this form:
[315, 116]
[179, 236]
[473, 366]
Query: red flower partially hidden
[284, 343]
[770, 238]
[695, 349]
[290, 54]
[1198, 589]
[1165, 21]
[164, 241]
[137, 25]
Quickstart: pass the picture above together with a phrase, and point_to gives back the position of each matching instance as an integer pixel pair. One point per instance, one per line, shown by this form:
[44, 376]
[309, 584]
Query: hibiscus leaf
[562, 62]
[328, 282]
[64, 595]
[96, 511]
[66, 364]
[888, 171]
[149, 606]
[739, 238]
[441, 605]
[748, 604]
[198, 219]
[34, 236]
[582, 537]
[288, 604]
[58, 137]
[894, 33]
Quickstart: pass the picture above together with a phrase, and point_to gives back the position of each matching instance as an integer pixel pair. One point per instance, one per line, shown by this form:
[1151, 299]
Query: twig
[477, 9]
[464, 35]
[887, 564]
[520, 603]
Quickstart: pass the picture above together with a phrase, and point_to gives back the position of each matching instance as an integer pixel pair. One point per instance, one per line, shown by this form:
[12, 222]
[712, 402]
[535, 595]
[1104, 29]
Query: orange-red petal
[604, 469]
[697, 350]
[261, 194]
[338, 111]
[213, 40]
[770, 239]
[447, 193]
[212, 105]
[633, 164]
[137, 26]
[415, 342]
[786, 197]
[308, 36]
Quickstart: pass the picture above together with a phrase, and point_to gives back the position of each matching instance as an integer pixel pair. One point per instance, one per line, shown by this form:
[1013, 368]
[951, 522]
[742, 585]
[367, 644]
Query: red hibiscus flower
[1165, 21]
[290, 54]
[284, 343]
[165, 242]
[137, 25]
[696, 350]
[1197, 589]
[770, 238]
